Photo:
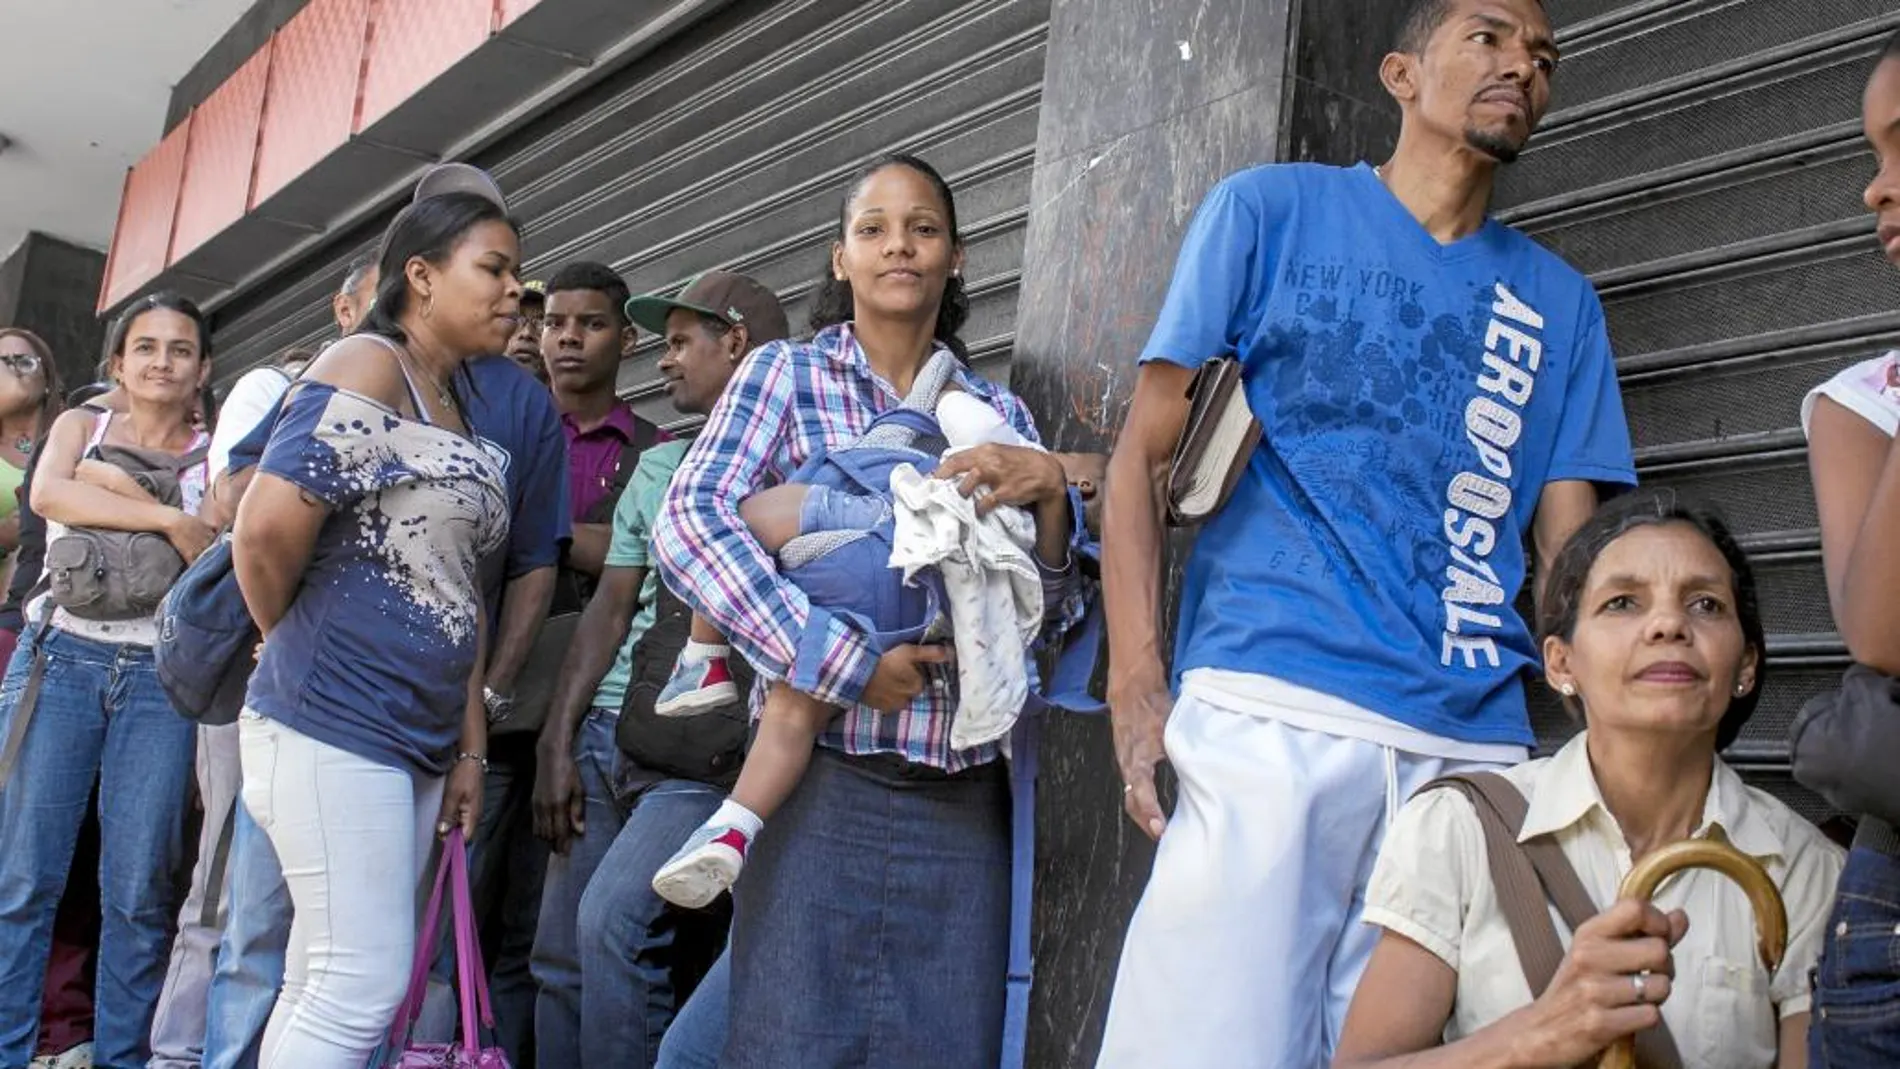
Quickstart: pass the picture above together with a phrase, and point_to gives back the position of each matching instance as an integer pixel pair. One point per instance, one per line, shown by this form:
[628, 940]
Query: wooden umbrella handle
[1713, 852]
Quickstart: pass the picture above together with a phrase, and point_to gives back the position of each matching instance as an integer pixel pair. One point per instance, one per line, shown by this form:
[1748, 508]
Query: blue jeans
[698, 1033]
[556, 962]
[871, 927]
[638, 953]
[1856, 1021]
[102, 717]
[507, 866]
[251, 950]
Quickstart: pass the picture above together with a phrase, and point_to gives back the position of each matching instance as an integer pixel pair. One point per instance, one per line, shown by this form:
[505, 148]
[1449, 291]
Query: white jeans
[1246, 947]
[353, 836]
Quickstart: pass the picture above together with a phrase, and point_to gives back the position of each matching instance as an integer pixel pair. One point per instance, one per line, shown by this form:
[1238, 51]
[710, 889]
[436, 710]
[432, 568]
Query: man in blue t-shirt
[1434, 387]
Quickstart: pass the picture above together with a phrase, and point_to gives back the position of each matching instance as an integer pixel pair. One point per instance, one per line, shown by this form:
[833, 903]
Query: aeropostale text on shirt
[1494, 421]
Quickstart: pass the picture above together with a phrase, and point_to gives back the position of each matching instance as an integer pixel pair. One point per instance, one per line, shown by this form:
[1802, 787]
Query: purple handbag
[471, 977]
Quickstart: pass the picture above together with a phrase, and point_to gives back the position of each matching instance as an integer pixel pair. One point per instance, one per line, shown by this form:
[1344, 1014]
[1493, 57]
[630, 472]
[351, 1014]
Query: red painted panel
[513, 9]
[218, 163]
[412, 42]
[310, 106]
[144, 234]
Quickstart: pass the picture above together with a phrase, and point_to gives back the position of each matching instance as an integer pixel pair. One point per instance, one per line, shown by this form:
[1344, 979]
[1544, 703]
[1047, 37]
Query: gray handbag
[100, 574]
[1846, 742]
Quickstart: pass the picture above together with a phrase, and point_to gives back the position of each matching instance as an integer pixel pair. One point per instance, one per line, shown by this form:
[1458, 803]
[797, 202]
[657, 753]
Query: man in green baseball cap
[727, 304]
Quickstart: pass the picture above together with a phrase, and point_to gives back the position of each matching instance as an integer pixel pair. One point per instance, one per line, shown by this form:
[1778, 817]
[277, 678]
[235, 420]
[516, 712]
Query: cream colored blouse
[1432, 885]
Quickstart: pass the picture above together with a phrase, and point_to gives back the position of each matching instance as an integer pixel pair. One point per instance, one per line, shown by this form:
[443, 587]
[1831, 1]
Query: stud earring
[1741, 689]
[1568, 689]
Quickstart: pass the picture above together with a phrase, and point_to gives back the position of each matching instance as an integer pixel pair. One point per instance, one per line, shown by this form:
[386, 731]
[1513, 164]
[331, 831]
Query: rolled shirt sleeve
[1808, 892]
[1422, 884]
[1217, 294]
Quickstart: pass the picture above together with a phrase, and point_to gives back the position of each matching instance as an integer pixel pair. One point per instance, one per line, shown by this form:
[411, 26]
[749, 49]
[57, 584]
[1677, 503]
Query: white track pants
[1246, 947]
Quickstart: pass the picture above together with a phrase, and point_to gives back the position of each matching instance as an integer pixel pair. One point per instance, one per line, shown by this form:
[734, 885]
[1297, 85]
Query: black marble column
[50, 287]
[1145, 106]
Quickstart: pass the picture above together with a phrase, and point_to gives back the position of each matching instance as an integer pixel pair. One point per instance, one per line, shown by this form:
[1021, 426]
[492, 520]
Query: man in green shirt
[632, 966]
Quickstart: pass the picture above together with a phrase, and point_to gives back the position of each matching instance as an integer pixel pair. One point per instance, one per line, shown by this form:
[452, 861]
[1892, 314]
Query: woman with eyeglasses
[29, 399]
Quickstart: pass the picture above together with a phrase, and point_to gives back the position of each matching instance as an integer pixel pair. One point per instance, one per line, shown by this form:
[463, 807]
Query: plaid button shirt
[788, 401]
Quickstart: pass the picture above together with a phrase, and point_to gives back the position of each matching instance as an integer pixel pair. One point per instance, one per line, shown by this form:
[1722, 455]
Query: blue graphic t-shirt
[375, 653]
[515, 414]
[1416, 399]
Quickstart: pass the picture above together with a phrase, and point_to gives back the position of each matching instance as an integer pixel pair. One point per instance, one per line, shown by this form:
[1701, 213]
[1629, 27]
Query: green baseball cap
[732, 298]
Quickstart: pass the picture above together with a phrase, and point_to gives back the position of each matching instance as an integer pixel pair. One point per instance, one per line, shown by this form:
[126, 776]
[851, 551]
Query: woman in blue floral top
[356, 548]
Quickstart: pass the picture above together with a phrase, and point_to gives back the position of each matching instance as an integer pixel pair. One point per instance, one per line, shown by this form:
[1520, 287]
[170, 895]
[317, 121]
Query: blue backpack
[206, 639]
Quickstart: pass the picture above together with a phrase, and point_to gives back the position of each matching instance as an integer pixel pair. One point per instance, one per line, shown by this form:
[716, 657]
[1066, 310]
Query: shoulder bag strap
[1526, 876]
[645, 437]
[194, 457]
[30, 695]
[1020, 977]
[1560, 882]
[220, 862]
[1520, 893]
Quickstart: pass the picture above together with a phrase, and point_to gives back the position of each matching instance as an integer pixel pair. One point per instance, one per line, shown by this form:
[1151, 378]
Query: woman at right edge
[1854, 454]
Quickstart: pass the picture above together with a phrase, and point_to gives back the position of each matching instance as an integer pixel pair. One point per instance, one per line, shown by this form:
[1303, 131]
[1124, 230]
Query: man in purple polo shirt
[585, 335]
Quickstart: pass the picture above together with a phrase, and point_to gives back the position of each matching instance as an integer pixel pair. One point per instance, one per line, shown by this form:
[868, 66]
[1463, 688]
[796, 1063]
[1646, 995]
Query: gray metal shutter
[731, 146]
[1703, 165]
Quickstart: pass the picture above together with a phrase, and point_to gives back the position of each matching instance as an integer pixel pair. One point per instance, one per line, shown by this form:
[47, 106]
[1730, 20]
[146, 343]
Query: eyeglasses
[20, 363]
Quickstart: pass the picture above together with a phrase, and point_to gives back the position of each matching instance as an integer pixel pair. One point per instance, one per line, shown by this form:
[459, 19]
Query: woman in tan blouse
[1652, 632]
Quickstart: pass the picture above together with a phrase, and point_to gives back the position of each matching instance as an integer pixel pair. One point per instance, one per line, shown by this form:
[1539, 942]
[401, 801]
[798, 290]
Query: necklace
[442, 393]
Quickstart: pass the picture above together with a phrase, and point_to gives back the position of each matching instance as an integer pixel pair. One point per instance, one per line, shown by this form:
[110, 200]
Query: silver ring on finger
[1641, 982]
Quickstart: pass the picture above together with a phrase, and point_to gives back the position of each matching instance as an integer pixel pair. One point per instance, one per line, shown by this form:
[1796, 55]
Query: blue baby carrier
[847, 574]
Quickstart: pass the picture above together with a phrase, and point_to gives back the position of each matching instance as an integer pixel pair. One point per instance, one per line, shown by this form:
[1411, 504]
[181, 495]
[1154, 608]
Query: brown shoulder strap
[220, 861]
[1519, 889]
[1526, 876]
[30, 695]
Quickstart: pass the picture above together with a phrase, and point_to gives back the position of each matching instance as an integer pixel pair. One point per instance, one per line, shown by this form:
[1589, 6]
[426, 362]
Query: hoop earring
[428, 305]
